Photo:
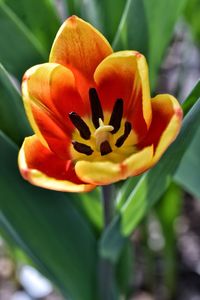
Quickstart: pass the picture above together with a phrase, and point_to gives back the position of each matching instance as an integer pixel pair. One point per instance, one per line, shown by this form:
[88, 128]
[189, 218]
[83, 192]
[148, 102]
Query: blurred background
[166, 245]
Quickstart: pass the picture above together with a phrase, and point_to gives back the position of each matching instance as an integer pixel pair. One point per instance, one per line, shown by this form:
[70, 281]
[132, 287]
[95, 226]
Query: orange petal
[43, 168]
[124, 75]
[78, 45]
[49, 95]
[166, 122]
[102, 173]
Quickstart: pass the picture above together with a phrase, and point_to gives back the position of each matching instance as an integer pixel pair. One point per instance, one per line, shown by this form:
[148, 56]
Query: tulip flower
[93, 117]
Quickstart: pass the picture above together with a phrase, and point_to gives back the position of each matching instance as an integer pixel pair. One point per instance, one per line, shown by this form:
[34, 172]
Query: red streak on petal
[123, 170]
[72, 20]
[138, 54]
[179, 113]
[25, 173]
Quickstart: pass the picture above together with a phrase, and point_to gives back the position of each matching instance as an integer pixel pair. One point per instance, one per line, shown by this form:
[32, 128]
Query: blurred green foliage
[192, 15]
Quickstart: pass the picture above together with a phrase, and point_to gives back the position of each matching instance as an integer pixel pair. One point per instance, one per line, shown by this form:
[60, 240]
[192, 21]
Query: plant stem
[106, 267]
[108, 205]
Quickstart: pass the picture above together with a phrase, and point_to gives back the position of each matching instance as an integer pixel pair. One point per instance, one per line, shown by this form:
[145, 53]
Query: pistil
[102, 134]
[105, 148]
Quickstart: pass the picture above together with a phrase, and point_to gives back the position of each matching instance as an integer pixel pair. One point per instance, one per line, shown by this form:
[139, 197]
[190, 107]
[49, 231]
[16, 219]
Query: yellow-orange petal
[124, 75]
[43, 168]
[139, 162]
[102, 173]
[78, 45]
[49, 95]
[166, 122]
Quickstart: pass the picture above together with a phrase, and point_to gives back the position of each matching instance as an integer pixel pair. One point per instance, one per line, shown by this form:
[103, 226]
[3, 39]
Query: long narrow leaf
[188, 173]
[19, 48]
[192, 98]
[13, 121]
[40, 17]
[111, 20]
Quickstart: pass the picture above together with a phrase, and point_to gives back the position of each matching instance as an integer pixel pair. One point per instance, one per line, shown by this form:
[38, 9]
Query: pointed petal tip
[80, 46]
[72, 20]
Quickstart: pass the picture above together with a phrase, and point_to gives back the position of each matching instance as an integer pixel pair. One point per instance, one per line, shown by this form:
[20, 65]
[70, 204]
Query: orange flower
[92, 114]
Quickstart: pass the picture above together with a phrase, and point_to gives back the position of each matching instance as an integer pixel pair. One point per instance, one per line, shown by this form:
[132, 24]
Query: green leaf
[111, 20]
[142, 26]
[19, 48]
[125, 190]
[192, 15]
[192, 98]
[188, 173]
[49, 228]
[112, 241]
[133, 28]
[90, 205]
[12, 117]
[124, 270]
[41, 18]
[167, 211]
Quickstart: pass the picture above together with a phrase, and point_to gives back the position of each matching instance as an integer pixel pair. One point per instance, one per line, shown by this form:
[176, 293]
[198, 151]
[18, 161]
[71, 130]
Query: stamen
[105, 148]
[123, 137]
[95, 104]
[116, 117]
[80, 125]
[82, 148]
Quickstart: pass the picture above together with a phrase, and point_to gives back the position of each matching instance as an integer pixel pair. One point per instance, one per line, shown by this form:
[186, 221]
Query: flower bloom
[94, 120]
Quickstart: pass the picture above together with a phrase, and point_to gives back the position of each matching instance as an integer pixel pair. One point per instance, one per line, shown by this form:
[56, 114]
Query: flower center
[99, 135]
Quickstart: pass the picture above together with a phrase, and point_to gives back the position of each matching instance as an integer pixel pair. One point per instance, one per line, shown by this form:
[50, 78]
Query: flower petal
[49, 95]
[139, 162]
[102, 173]
[78, 45]
[43, 168]
[99, 173]
[124, 75]
[166, 122]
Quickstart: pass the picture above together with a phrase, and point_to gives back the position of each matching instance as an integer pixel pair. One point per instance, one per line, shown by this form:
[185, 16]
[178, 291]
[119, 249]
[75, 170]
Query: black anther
[116, 117]
[123, 137]
[80, 125]
[95, 104]
[82, 148]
